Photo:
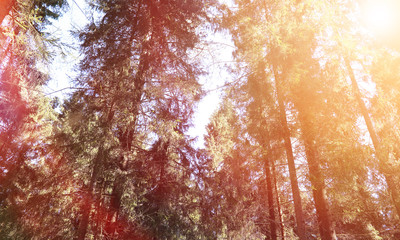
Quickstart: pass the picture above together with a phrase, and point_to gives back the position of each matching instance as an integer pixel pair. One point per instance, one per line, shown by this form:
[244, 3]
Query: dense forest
[304, 143]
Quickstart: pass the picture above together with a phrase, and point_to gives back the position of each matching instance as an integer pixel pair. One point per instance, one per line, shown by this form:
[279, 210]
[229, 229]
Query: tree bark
[301, 230]
[88, 199]
[380, 153]
[278, 204]
[270, 191]
[316, 179]
[115, 206]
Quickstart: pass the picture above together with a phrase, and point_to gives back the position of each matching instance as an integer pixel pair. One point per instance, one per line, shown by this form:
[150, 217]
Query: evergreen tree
[139, 86]
[235, 197]
[303, 143]
[26, 115]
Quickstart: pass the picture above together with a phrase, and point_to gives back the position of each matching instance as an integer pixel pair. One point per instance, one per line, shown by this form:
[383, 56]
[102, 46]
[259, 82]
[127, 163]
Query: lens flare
[380, 16]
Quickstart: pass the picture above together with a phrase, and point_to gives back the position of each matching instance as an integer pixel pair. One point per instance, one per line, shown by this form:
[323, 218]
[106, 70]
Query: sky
[62, 69]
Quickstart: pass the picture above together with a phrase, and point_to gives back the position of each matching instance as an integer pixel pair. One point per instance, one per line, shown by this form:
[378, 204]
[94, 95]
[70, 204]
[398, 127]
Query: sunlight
[380, 16]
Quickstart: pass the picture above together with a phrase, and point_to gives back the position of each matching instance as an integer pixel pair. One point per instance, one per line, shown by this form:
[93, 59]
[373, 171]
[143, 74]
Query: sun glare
[380, 16]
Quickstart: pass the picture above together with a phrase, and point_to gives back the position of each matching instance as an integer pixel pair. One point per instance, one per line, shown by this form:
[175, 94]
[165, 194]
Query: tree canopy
[303, 144]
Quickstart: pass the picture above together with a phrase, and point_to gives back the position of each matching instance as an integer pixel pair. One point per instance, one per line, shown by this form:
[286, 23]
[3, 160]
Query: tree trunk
[127, 138]
[278, 204]
[316, 179]
[380, 153]
[98, 213]
[113, 223]
[270, 192]
[89, 198]
[301, 230]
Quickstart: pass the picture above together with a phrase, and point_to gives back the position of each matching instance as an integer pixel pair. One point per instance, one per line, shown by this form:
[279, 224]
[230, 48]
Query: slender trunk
[113, 223]
[5, 7]
[278, 204]
[98, 213]
[127, 138]
[88, 199]
[380, 153]
[316, 179]
[270, 192]
[301, 230]
[94, 217]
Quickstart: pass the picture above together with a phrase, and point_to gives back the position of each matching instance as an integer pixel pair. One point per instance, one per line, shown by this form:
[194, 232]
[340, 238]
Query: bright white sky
[62, 68]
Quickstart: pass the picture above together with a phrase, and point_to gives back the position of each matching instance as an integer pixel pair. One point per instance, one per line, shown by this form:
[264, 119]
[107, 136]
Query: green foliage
[115, 160]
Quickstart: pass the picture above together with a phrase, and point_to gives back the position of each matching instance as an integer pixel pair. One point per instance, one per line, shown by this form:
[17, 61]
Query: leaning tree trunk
[380, 153]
